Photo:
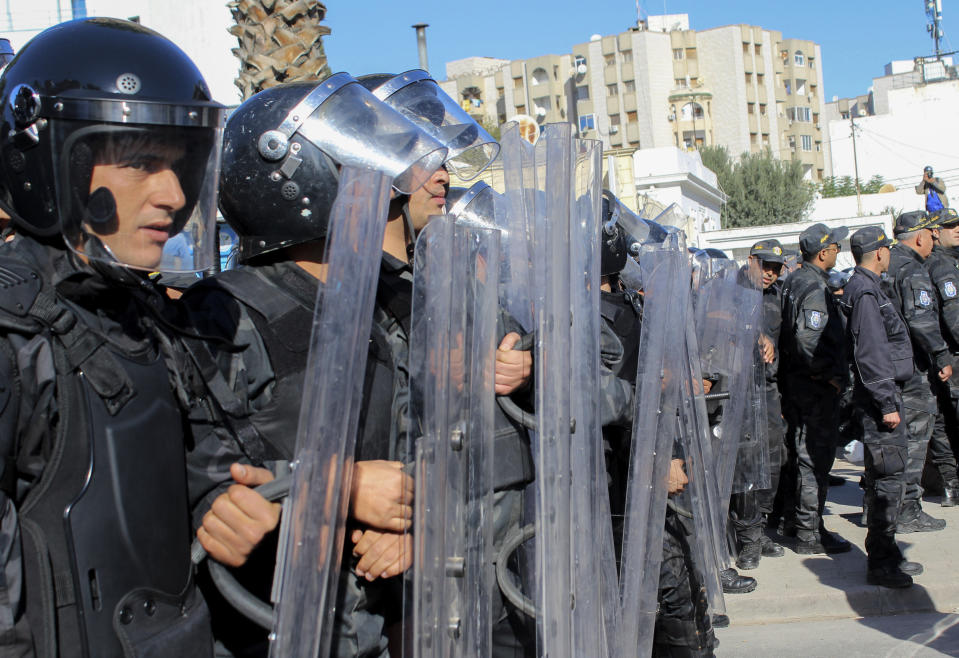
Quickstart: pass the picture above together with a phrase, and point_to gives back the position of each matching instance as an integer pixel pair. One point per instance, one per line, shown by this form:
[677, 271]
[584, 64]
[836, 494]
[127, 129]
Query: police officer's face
[430, 199]
[949, 236]
[147, 193]
[771, 272]
[829, 255]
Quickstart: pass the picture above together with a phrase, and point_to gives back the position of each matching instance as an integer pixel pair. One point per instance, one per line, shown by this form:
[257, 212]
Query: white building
[199, 27]
[905, 123]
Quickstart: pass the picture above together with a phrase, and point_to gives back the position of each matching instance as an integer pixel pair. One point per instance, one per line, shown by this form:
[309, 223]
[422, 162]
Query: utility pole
[855, 161]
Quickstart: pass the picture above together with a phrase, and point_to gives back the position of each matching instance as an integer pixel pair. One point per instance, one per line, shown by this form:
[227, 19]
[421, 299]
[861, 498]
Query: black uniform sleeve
[871, 353]
[815, 346]
[920, 310]
[946, 280]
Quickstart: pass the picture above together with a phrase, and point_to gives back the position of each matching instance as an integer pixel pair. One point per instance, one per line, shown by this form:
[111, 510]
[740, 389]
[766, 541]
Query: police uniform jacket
[909, 285]
[813, 346]
[943, 266]
[878, 342]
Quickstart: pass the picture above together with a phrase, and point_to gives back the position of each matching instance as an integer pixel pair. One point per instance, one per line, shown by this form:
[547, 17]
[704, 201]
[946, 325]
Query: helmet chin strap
[410, 232]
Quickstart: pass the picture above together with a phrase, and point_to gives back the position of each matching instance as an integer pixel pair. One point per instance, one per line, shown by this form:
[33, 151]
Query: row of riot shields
[531, 252]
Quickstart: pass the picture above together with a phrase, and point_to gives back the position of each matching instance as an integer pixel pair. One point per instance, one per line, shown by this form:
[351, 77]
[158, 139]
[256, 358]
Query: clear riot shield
[314, 520]
[514, 216]
[702, 494]
[752, 461]
[452, 351]
[568, 595]
[654, 431]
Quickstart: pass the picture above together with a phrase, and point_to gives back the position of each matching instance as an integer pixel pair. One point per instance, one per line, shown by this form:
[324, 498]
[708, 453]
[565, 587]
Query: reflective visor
[417, 96]
[354, 128]
[139, 196]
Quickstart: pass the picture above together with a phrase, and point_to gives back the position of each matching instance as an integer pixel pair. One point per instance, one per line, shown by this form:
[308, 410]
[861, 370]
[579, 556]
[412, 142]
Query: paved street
[823, 606]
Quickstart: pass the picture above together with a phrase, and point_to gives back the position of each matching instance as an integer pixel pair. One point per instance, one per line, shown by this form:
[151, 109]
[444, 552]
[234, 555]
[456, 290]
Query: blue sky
[857, 38]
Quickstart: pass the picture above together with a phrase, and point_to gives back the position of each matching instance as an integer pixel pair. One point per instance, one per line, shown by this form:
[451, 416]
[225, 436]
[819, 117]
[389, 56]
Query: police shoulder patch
[923, 298]
[949, 289]
[814, 319]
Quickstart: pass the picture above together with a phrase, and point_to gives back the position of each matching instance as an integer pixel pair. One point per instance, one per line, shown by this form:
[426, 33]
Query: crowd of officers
[866, 355]
[133, 419]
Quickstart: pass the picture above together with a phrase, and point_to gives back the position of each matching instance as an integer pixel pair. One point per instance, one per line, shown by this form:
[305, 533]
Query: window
[612, 90]
[691, 112]
[690, 53]
[520, 109]
[752, 138]
[610, 60]
[587, 122]
[677, 53]
[803, 114]
[500, 93]
[614, 119]
[631, 117]
[749, 78]
[762, 109]
[799, 58]
[759, 50]
[630, 86]
[517, 83]
[582, 93]
[806, 143]
[800, 87]
[812, 89]
[818, 147]
[540, 77]
[579, 63]
[751, 108]
[811, 64]
[681, 83]
[555, 72]
[745, 48]
[627, 56]
[760, 79]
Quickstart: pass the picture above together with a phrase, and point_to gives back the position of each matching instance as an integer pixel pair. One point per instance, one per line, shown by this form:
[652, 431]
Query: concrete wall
[721, 64]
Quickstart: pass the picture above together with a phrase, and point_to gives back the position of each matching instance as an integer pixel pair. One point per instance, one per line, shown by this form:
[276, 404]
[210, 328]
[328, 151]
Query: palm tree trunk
[279, 41]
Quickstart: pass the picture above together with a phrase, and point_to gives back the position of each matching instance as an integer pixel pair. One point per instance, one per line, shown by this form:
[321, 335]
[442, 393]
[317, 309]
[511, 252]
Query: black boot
[950, 494]
[733, 583]
[749, 556]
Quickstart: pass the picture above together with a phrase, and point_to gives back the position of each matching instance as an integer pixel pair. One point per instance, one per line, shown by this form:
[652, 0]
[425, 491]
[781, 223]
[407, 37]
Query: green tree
[846, 186]
[760, 189]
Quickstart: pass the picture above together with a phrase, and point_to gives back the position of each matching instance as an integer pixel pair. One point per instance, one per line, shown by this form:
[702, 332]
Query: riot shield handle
[250, 606]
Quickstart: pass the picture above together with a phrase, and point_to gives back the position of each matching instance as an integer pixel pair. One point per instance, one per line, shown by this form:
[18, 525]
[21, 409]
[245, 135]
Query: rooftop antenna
[934, 27]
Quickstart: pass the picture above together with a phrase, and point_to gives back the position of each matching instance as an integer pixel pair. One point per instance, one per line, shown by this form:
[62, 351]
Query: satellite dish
[528, 127]
[581, 69]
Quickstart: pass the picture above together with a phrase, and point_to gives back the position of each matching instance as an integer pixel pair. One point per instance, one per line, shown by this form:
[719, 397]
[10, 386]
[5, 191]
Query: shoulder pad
[19, 287]
[252, 290]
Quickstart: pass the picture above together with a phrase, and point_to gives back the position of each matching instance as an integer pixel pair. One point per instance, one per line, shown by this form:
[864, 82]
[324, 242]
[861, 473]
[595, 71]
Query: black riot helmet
[281, 152]
[96, 93]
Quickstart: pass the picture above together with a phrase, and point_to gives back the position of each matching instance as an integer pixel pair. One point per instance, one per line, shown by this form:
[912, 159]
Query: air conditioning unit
[613, 130]
[671, 117]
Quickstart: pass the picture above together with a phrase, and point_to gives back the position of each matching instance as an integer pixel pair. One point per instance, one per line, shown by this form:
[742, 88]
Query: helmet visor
[356, 129]
[138, 196]
[475, 205]
[416, 95]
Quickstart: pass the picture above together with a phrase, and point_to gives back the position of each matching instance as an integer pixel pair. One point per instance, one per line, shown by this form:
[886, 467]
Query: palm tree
[279, 41]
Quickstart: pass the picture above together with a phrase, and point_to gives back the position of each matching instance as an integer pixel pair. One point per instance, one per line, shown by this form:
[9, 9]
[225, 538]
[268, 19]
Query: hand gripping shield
[315, 515]
[452, 352]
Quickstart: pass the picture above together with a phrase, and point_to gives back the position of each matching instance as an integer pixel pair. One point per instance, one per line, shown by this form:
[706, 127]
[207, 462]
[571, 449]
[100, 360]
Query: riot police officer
[912, 290]
[943, 266]
[110, 146]
[813, 368]
[880, 348]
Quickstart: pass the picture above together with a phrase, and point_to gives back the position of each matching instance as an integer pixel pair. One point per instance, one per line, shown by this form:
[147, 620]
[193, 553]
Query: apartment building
[661, 84]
